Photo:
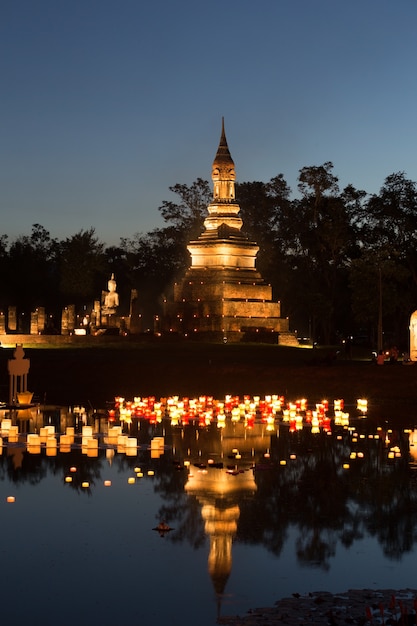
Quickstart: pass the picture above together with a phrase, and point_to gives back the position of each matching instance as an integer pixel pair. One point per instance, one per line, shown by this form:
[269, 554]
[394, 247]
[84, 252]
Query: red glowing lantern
[326, 424]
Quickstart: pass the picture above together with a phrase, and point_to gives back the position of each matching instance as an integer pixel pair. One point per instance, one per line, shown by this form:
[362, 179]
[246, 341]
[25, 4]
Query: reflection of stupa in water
[222, 293]
[219, 490]
[218, 493]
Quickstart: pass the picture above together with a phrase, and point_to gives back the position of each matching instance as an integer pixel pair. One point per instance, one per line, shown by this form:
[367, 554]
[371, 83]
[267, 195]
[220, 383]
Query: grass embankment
[93, 375]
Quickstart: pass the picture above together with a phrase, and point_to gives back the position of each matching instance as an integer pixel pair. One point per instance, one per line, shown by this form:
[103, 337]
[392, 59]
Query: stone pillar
[64, 321]
[12, 319]
[41, 319]
[68, 319]
[96, 314]
[135, 324]
[71, 317]
[34, 323]
[37, 321]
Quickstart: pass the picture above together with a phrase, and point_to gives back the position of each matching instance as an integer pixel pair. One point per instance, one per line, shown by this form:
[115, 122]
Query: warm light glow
[11, 499]
[270, 409]
[362, 405]
[64, 440]
[34, 448]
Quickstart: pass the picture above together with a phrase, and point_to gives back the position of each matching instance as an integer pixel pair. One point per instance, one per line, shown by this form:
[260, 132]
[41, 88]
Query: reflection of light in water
[272, 411]
[219, 491]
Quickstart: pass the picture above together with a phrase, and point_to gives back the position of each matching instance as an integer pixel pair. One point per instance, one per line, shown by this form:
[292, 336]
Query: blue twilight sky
[107, 103]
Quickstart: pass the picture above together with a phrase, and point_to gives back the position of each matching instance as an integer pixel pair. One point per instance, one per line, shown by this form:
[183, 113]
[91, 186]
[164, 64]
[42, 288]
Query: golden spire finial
[223, 153]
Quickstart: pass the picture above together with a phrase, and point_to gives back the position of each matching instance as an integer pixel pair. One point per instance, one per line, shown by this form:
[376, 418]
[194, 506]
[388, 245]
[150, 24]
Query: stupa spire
[223, 171]
[223, 153]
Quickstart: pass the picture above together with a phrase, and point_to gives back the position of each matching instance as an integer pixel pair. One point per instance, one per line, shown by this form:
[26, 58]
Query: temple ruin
[222, 295]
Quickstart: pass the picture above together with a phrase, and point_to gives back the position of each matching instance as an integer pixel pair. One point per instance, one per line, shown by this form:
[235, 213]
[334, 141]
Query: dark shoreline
[355, 606]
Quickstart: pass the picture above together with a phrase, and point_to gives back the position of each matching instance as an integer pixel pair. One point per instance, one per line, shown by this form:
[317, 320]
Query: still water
[260, 505]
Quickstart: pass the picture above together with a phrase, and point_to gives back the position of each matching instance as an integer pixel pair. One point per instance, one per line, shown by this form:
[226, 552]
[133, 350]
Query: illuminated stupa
[222, 294]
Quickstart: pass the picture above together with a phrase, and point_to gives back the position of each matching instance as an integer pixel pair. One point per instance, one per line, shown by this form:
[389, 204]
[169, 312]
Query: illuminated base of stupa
[231, 303]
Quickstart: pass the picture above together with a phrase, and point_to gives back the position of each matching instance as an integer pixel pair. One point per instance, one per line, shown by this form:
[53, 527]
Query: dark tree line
[331, 255]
